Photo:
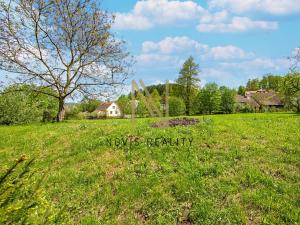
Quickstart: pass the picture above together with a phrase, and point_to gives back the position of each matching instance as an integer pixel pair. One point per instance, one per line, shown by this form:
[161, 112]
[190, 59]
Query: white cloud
[216, 73]
[174, 45]
[154, 58]
[275, 7]
[220, 76]
[148, 13]
[186, 46]
[259, 64]
[227, 53]
[237, 24]
[217, 17]
[132, 22]
[156, 82]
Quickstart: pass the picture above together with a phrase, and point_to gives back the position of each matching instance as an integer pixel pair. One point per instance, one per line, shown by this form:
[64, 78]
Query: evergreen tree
[189, 80]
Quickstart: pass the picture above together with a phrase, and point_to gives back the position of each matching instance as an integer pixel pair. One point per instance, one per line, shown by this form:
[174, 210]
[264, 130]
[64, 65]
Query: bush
[71, 112]
[176, 106]
[94, 116]
[21, 107]
[244, 108]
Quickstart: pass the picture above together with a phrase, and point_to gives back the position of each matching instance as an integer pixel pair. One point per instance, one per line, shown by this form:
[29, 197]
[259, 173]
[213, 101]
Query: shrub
[94, 116]
[72, 111]
[21, 107]
[244, 108]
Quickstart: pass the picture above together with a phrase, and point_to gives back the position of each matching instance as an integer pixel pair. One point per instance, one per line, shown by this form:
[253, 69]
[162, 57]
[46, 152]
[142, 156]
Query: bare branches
[295, 61]
[66, 45]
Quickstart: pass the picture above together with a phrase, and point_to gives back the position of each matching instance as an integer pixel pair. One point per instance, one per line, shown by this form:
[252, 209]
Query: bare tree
[295, 61]
[66, 45]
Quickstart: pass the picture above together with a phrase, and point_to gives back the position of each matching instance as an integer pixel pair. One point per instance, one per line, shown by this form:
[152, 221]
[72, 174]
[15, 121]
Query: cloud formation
[273, 7]
[258, 64]
[174, 44]
[228, 64]
[147, 14]
[185, 45]
[151, 13]
[227, 53]
[220, 22]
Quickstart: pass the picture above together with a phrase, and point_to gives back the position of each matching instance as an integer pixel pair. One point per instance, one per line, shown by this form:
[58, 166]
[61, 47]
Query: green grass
[240, 169]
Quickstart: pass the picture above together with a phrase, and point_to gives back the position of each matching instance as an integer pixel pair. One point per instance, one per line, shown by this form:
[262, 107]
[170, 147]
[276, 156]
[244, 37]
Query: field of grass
[239, 169]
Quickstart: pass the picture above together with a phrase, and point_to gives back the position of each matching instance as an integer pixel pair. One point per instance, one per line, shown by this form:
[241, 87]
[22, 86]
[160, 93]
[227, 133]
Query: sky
[231, 40]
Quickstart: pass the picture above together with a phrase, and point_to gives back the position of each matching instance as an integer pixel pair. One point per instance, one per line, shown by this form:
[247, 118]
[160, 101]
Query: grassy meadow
[239, 169]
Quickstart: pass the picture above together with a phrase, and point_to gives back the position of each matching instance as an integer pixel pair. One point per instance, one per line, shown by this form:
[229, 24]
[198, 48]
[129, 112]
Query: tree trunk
[61, 111]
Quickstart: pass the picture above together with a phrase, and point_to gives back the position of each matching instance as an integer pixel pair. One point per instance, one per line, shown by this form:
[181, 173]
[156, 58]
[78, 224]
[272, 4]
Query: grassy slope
[240, 169]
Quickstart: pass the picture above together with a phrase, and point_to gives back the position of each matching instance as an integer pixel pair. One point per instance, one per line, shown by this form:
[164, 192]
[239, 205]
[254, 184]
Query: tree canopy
[291, 91]
[209, 99]
[67, 46]
[26, 106]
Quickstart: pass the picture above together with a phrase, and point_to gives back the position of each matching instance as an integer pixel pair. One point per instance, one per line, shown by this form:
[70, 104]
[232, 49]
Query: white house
[109, 109]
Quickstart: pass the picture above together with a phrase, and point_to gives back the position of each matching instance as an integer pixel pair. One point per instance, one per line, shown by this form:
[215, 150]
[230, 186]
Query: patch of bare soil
[176, 122]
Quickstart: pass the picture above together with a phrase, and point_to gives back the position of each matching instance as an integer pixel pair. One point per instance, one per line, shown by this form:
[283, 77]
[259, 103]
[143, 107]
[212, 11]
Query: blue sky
[232, 40]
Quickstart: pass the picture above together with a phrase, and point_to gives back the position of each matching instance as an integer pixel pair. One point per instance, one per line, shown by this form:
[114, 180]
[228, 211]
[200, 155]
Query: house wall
[113, 111]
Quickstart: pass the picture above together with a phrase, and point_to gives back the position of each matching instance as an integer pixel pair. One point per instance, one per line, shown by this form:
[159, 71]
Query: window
[114, 107]
[116, 111]
[111, 112]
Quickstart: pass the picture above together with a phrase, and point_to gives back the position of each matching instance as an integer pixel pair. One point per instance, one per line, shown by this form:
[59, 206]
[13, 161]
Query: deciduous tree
[125, 104]
[20, 107]
[176, 106]
[209, 98]
[291, 91]
[64, 45]
[227, 99]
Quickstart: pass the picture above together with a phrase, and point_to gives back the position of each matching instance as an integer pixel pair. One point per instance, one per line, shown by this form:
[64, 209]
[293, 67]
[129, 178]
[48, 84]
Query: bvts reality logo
[161, 112]
[131, 141]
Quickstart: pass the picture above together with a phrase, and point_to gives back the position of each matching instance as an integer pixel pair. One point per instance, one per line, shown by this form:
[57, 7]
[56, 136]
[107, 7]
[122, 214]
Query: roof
[267, 99]
[250, 101]
[260, 98]
[103, 106]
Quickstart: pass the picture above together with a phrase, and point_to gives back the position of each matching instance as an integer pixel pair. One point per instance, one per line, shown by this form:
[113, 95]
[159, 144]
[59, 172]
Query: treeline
[287, 87]
[23, 104]
[20, 104]
[208, 100]
[187, 98]
[83, 109]
[268, 82]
